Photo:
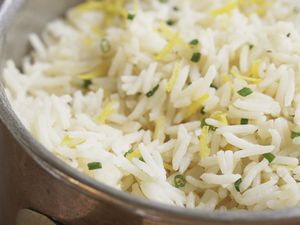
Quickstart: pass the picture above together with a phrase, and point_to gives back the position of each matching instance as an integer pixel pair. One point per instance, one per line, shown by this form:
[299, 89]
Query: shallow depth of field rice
[186, 102]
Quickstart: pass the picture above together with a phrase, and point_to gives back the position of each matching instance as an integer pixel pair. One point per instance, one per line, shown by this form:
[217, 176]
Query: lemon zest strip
[173, 78]
[225, 9]
[168, 48]
[71, 142]
[133, 154]
[106, 112]
[220, 116]
[250, 79]
[195, 106]
[168, 166]
[204, 149]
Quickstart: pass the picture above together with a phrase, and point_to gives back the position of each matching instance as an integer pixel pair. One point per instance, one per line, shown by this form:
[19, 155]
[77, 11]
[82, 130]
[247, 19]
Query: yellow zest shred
[116, 8]
[97, 31]
[110, 8]
[168, 48]
[226, 78]
[226, 8]
[229, 147]
[159, 126]
[106, 112]
[87, 41]
[71, 142]
[99, 71]
[168, 166]
[254, 70]
[90, 75]
[173, 78]
[133, 154]
[90, 5]
[195, 106]
[167, 33]
[204, 149]
[250, 79]
[220, 116]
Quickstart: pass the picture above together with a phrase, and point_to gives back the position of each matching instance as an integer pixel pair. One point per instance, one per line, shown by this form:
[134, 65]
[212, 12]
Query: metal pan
[32, 178]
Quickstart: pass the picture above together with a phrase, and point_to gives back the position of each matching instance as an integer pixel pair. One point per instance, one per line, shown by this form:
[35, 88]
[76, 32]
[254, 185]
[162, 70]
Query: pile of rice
[190, 103]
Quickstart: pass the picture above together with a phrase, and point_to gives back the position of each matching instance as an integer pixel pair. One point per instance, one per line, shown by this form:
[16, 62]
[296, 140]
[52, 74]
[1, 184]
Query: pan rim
[98, 190]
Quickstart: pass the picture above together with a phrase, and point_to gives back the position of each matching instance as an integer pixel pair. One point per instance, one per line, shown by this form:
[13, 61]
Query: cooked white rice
[190, 103]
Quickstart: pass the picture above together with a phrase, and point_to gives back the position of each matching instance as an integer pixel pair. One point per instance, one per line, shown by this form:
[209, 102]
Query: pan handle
[30, 217]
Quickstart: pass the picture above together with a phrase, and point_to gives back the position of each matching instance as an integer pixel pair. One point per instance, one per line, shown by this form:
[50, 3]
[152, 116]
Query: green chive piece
[94, 165]
[251, 46]
[163, 1]
[128, 152]
[203, 123]
[296, 10]
[244, 121]
[194, 42]
[179, 181]
[196, 57]
[152, 92]
[237, 184]
[245, 92]
[175, 8]
[170, 22]
[295, 134]
[269, 156]
[86, 84]
[288, 35]
[202, 111]
[105, 45]
[130, 16]
[142, 159]
[213, 86]
[212, 128]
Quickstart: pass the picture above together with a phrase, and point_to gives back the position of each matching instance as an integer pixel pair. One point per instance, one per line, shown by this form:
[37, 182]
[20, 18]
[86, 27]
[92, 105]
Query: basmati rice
[125, 91]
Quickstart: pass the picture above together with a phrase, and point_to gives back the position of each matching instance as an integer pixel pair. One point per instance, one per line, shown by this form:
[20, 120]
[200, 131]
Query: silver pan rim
[99, 191]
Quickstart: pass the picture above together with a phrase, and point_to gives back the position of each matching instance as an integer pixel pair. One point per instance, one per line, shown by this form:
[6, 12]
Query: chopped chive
[86, 84]
[244, 121]
[245, 92]
[269, 156]
[212, 128]
[269, 51]
[105, 45]
[288, 35]
[94, 165]
[251, 46]
[128, 152]
[295, 134]
[237, 184]
[152, 92]
[296, 10]
[196, 57]
[130, 16]
[213, 86]
[170, 22]
[141, 159]
[179, 181]
[202, 111]
[194, 42]
[175, 8]
[163, 1]
[203, 123]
